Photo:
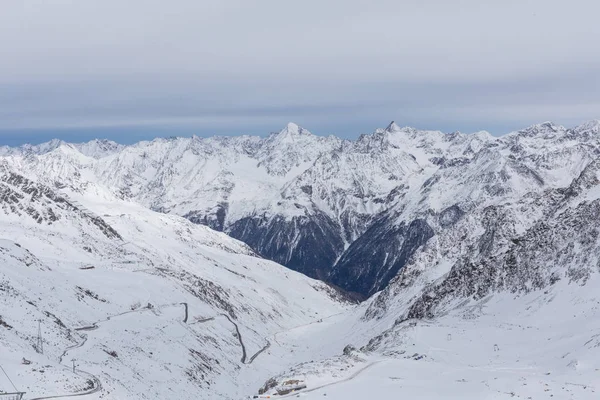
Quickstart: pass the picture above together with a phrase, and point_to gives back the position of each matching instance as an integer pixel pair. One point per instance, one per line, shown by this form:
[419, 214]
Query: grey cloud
[331, 65]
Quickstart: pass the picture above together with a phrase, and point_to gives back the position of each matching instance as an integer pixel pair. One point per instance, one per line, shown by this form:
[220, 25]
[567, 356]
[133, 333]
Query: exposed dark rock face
[377, 256]
[214, 219]
[562, 248]
[307, 244]
[352, 223]
[450, 216]
[21, 196]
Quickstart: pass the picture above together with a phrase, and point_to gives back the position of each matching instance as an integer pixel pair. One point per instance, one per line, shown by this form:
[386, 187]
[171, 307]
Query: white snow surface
[544, 345]
[80, 248]
[68, 274]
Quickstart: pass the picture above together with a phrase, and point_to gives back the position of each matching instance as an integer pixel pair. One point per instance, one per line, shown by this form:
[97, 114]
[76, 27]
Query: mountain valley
[188, 267]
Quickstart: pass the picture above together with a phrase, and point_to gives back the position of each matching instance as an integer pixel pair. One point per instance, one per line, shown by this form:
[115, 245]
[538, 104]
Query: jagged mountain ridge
[349, 212]
[558, 242]
[504, 286]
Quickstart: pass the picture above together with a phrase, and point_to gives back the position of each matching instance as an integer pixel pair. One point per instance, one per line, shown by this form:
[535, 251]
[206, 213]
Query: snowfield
[114, 301]
[538, 346]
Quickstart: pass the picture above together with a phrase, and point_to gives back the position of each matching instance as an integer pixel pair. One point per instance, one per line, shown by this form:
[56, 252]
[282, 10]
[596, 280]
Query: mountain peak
[543, 128]
[393, 127]
[291, 130]
[545, 125]
[98, 148]
[42, 148]
[589, 126]
[294, 129]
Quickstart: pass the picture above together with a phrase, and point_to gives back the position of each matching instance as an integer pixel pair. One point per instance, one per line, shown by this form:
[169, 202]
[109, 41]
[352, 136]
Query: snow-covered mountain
[148, 305]
[349, 212]
[481, 256]
[501, 302]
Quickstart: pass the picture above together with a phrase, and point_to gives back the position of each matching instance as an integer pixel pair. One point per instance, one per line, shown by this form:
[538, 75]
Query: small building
[290, 386]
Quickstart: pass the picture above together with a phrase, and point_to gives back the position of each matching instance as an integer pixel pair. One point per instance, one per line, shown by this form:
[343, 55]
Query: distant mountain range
[352, 213]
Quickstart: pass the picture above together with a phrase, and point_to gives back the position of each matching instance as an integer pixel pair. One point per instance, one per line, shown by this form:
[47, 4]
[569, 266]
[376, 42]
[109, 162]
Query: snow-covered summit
[592, 126]
[99, 148]
[547, 127]
[393, 127]
[291, 130]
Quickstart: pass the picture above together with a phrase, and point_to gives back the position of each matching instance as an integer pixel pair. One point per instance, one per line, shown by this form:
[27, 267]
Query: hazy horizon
[78, 70]
[133, 136]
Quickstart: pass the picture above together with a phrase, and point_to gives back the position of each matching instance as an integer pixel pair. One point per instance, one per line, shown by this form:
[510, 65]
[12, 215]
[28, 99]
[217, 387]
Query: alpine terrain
[232, 267]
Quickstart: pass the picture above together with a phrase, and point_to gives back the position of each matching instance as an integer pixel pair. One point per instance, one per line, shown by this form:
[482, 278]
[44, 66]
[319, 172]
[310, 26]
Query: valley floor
[538, 346]
[546, 350]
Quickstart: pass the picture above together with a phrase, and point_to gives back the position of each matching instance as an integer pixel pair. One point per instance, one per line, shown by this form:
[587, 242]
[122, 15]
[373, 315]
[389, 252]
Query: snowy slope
[76, 261]
[516, 315]
[538, 346]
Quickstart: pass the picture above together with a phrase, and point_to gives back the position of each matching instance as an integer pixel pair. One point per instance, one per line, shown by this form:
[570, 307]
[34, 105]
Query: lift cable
[7, 377]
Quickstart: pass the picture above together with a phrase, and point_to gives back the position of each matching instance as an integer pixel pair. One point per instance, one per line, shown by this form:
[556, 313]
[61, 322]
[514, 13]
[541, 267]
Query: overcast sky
[135, 69]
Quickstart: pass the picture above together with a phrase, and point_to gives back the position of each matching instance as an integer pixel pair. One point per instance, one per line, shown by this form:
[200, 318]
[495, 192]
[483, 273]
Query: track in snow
[258, 353]
[237, 330]
[245, 359]
[76, 346]
[274, 336]
[239, 336]
[97, 384]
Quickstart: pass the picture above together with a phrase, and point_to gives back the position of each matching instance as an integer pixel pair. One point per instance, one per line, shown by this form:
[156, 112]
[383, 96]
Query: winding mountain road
[76, 346]
[96, 387]
[239, 336]
[96, 384]
[258, 353]
[237, 330]
[274, 336]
